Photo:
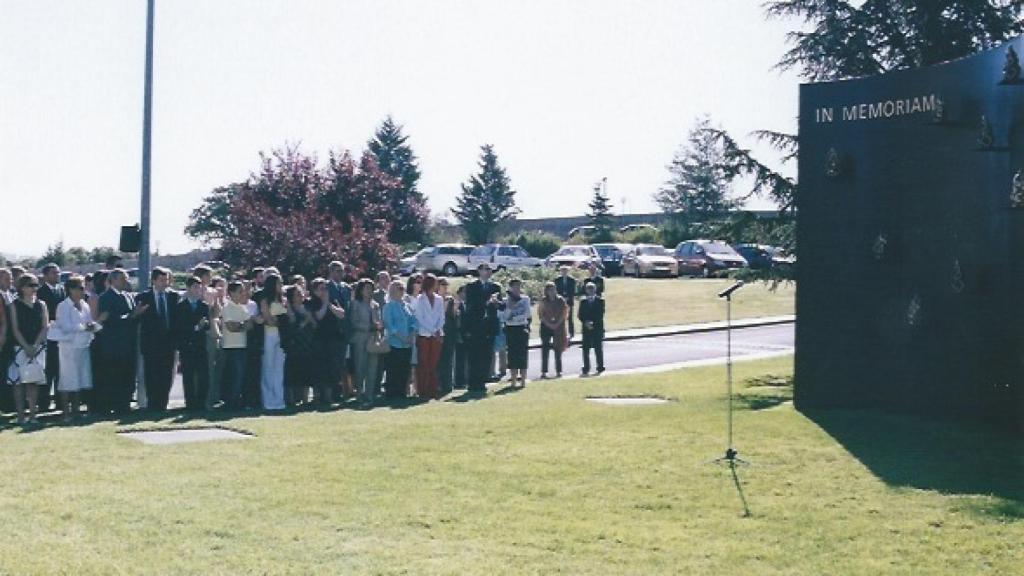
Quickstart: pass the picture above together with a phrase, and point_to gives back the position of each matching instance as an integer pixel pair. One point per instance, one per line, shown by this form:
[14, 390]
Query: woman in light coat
[77, 329]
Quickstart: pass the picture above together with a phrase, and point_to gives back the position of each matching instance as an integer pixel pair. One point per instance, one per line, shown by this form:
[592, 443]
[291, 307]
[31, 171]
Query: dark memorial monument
[911, 235]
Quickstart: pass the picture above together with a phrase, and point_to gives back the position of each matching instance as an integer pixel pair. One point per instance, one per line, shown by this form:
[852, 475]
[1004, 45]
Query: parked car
[635, 227]
[762, 256]
[611, 257]
[448, 259]
[707, 258]
[502, 256]
[407, 265]
[649, 260]
[578, 256]
[583, 231]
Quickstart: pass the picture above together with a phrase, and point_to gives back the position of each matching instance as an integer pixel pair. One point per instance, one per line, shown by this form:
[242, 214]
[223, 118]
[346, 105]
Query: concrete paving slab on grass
[628, 400]
[184, 436]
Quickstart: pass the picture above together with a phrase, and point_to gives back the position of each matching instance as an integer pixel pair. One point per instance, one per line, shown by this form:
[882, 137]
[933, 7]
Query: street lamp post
[147, 130]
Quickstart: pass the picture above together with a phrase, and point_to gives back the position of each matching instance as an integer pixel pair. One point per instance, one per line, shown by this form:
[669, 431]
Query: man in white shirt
[237, 323]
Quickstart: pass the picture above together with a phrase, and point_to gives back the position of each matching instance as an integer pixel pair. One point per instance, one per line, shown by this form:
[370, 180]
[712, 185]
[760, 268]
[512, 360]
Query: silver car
[581, 256]
[448, 259]
[503, 256]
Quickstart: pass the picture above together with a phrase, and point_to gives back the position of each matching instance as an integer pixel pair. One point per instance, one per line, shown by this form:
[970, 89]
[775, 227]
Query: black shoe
[585, 373]
[600, 370]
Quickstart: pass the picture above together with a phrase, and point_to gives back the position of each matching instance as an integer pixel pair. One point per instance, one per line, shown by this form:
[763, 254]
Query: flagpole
[147, 133]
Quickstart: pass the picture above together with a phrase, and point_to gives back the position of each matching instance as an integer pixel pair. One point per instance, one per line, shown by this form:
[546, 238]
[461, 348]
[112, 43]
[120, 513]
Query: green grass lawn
[533, 482]
[633, 303]
[642, 303]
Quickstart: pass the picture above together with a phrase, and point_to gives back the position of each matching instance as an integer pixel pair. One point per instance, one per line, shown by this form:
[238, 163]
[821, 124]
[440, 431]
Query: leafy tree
[487, 199]
[848, 39]
[77, 255]
[211, 223]
[600, 214]
[700, 182]
[291, 214]
[407, 205]
[100, 254]
[54, 254]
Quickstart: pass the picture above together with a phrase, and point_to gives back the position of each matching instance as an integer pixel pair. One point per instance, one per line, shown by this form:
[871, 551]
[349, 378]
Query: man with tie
[191, 323]
[116, 346]
[52, 293]
[156, 339]
[565, 286]
[339, 293]
[592, 318]
[480, 326]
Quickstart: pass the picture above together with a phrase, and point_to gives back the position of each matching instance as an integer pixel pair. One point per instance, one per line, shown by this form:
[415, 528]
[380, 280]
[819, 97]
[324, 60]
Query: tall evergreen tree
[700, 184]
[849, 39]
[600, 214]
[394, 157]
[487, 199]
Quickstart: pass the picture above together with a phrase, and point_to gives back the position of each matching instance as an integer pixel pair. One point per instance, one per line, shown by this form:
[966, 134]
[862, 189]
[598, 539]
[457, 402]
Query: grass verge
[531, 482]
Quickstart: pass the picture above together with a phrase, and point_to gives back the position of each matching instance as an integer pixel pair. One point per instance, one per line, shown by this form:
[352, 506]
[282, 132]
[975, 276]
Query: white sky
[567, 91]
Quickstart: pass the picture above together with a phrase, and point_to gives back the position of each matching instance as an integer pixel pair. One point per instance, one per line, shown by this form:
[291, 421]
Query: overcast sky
[567, 91]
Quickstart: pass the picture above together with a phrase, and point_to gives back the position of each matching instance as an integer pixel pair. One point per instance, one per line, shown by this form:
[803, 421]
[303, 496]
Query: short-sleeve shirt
[234, 313]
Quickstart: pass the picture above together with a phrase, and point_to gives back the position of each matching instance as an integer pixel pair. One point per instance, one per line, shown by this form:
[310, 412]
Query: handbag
[378, 344]
[31, 372]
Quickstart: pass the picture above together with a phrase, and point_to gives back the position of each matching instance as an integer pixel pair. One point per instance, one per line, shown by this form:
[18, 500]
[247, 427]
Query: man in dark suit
[116, 346]
[156, 339]
[339, 293]
[592, 319]
[565, 285]
[52, 293]
[596, 279]
[480, 326]
[191, 323]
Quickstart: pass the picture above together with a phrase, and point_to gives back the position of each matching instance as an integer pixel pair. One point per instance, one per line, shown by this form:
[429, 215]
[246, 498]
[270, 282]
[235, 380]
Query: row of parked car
[704, 258]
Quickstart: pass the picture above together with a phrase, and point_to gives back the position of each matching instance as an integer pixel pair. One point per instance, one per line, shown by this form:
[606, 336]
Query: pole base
[731, 458]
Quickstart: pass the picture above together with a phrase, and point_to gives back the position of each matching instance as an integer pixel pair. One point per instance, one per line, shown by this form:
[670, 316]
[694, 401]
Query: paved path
[654, 353]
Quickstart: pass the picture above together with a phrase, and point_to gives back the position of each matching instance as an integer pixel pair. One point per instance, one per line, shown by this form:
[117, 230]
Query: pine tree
[600, 214]
[487, 199]
[394, 157]
[851, 39]
[700, 181]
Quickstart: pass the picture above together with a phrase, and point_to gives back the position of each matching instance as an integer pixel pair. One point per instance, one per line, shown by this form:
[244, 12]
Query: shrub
[641, 236]
[534, 279]
[538, 244]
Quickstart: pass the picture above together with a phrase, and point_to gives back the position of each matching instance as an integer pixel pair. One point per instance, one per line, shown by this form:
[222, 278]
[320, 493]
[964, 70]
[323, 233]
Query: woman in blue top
[400, 327]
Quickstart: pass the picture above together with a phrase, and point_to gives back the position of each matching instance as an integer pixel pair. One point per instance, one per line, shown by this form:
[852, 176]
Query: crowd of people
[261, 342]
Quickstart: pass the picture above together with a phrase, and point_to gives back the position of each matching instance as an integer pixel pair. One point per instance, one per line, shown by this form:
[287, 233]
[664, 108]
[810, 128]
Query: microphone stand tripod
[731, 456]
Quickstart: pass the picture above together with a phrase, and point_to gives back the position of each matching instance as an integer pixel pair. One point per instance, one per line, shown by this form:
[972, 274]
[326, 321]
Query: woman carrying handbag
[29, 321]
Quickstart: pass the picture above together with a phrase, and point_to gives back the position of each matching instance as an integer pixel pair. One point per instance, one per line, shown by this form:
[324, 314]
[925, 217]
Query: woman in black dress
[29, 321]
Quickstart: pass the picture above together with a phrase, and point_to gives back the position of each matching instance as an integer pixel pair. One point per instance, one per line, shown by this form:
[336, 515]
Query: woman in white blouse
[76, 328]
[516, 316]
[429, 311]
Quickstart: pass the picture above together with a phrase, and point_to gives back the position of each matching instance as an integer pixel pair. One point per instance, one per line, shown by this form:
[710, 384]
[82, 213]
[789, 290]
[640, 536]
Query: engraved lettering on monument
[1017, 190]
[914, 311]
[986, 139]
[833, 164]
[958, 278]
[879, 247]
[940, 112]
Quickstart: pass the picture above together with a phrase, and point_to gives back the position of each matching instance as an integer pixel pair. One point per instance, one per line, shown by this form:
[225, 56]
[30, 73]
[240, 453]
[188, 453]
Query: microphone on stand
[728, 291]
